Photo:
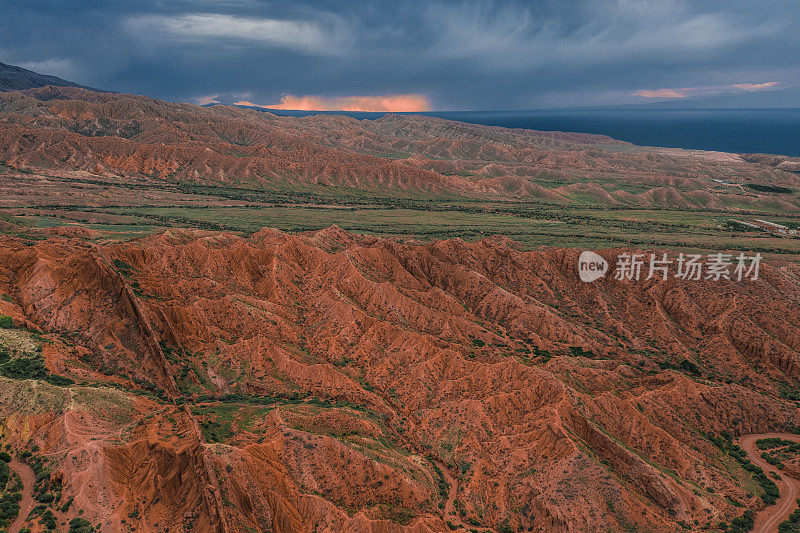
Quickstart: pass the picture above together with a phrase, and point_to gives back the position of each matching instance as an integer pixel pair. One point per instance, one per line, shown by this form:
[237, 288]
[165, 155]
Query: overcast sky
[403, 55]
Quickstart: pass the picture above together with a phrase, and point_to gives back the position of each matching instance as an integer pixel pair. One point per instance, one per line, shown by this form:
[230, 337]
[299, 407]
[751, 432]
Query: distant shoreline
[768, 131]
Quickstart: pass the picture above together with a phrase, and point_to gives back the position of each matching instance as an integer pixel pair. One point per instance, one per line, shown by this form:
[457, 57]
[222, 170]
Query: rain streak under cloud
[414, 56]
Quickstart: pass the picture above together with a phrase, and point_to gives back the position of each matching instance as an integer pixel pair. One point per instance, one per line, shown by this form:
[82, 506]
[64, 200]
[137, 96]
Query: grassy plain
[121, 212]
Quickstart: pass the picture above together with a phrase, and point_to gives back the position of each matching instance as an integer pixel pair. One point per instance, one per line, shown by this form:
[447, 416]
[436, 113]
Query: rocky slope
[332, 381]
[13, 78]
[103, 134]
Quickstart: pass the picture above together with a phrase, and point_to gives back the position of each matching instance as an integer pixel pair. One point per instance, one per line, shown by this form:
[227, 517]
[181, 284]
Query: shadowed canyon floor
[331, 381]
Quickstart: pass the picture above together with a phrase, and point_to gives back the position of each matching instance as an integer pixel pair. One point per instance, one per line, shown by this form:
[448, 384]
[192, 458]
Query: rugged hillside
[13, 78]
[328, 381]
[102, 133]
[70, 129]
[331, 381]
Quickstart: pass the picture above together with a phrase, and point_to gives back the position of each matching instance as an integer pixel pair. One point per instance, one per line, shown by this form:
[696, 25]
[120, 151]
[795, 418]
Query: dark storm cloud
[470, 54]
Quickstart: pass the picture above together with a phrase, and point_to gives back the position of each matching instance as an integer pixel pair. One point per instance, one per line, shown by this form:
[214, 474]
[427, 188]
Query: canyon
[220, 319]
[336, 381]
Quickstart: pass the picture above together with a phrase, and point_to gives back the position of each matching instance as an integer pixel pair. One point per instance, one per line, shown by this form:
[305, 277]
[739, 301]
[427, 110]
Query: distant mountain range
[13, 78]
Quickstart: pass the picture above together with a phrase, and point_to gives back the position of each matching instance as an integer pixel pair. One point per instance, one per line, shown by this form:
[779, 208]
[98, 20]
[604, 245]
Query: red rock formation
[67, 128]
[325, 375]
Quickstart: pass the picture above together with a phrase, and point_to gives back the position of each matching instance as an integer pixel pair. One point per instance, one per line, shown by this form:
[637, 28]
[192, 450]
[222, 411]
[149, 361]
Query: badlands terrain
[219, 319]
[133, 165]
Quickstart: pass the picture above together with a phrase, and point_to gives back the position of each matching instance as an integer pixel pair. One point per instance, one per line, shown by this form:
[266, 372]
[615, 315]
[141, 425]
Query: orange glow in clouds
[663, 93]
[705, 90]
[390, 103]
[756, 86]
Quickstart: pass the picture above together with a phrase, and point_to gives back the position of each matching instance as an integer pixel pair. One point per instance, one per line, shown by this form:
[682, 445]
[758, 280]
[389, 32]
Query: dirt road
[450, 513]
[768, 520]
[449, 508]
[27, 503]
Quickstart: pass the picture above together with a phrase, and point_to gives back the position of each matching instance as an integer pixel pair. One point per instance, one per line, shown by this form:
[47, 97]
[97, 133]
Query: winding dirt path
[768, 520]
[449, 510]
[450, 513]
[27, 503]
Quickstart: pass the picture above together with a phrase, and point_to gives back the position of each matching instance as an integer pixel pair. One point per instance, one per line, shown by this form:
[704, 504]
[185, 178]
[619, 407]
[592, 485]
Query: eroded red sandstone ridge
[135, 137]
[337, 382]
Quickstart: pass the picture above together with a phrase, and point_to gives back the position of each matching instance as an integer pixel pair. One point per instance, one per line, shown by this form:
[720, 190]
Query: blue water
[773, 131]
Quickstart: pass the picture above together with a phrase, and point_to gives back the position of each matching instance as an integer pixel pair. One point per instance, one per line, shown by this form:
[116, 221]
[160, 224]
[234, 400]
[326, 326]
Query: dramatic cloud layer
[479, 54]
[217, 29]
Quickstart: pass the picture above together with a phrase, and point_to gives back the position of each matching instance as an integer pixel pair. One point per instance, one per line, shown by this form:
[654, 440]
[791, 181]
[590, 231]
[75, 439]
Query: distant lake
[772, 131]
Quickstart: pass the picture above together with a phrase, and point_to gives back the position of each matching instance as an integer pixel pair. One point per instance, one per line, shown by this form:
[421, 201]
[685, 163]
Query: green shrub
[789, 393]
[80, 525]
[772, 442]
[9, 507]
[577, 351]
[685, 366]
[24, 368]
[46, 498]
[32, 368]
[64, 508]
[791, 524]
[771, 459]
[769, 188]
[743, 523]
[48, 519]
[504, 527]
[59, 381]
[123, 267]
[689, 366]
[6, 322]
[5, 474]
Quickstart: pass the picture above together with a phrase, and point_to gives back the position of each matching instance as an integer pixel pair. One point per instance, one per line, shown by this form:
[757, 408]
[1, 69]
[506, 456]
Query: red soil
[110, 135]
[27, 502]
[421, 354]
